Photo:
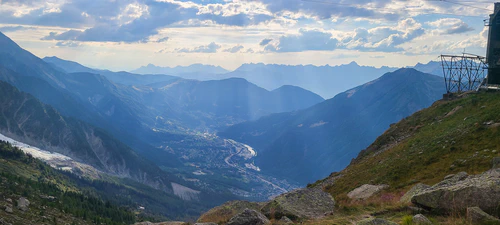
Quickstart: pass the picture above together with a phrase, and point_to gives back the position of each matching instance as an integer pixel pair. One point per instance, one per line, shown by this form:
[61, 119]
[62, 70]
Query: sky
[127, 34]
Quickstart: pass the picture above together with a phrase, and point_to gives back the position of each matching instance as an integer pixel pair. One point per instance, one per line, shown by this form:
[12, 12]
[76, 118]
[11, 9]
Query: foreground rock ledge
[304, 203]
[458, 193]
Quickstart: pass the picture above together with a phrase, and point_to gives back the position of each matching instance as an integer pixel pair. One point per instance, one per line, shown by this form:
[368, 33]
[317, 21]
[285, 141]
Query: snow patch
[54, 159]
[36, 152]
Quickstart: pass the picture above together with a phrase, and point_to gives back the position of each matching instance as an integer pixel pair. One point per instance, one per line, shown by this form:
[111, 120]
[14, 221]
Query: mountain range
[309, 144]
[327, 81]
[180, 70]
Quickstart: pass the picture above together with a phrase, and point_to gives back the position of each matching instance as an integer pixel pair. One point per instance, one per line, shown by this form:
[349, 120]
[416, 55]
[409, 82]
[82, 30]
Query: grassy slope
[424, 148]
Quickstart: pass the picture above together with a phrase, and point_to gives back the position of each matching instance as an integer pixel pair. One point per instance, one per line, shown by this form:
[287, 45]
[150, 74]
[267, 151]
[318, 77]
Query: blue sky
[125, 34]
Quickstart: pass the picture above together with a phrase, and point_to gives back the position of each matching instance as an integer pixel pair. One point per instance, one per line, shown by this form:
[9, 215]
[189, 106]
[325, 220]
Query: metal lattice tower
[470, 72]
[463, 73]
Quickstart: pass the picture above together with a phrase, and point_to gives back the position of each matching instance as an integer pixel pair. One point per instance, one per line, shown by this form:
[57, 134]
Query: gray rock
[8, 209]
[205, 224]
[309, 203]
[23, 204]
[459, 193]
[421, 219]
[456, 177]
[477, 216]
[449, 176]
[366, 191]
[496, 163]
[412, 192]
[9, 200]
[375, 221]
[249, 217]
[285, 221]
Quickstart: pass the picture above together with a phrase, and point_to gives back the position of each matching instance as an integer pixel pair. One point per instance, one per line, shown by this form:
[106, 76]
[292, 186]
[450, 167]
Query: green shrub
[407, 220]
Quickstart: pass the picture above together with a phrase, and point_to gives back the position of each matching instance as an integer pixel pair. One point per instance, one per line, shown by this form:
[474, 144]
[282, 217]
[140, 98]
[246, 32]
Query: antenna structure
[463, 73]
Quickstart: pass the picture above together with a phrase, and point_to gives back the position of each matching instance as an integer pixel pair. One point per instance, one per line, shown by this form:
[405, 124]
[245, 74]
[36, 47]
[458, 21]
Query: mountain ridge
[314, 134]
[177, 70]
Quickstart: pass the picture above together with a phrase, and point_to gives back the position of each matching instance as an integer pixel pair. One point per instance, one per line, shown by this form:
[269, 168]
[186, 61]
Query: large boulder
[366, 191]
[459, 192]
[406, 198]
[301, 203]
[23, 204]
[375, 221]
[222, 214]
[477, 216]
[249, 217]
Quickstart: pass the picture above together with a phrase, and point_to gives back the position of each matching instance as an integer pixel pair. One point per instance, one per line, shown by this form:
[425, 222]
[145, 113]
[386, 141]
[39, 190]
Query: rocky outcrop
[477, 216]
[406, 198]
[375, 221]
[420, 219]
[366, 191]
[205, 224]
[458, 192]
[23, 204]
[300, 203]
[249, 217]
[222, 214]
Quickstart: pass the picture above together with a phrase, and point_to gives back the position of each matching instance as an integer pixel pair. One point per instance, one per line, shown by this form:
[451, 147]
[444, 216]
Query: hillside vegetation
[449, 137]
[52, 194]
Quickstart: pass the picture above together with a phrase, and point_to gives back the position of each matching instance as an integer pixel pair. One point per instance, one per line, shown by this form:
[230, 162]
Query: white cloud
[210, 48]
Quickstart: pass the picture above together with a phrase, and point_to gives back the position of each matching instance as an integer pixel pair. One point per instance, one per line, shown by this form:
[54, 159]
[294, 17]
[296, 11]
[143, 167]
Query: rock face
[477, 216]
[460, 192]
[23, 204]
[205, 224]
[222, 214]
[421, 220]
[366, 191]
[375, 221]
[249, 217]
[8, 209]
[412, 192]
[300, 203]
